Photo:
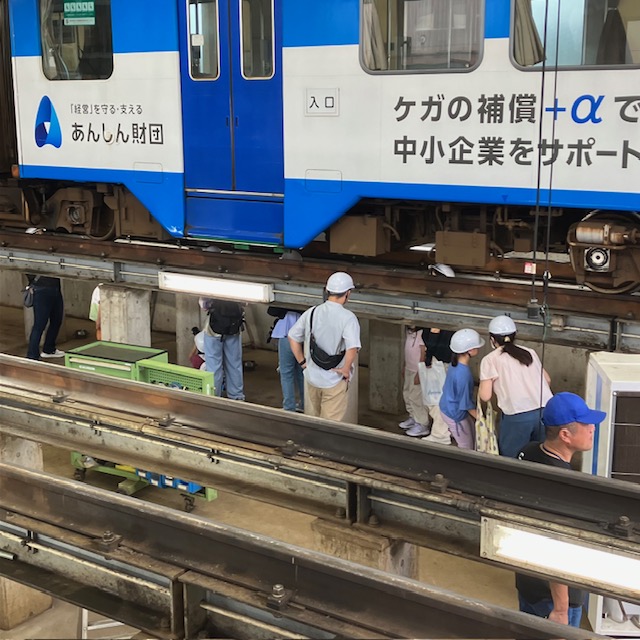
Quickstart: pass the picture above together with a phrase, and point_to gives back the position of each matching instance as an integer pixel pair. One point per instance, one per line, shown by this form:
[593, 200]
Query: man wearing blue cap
[569, 426]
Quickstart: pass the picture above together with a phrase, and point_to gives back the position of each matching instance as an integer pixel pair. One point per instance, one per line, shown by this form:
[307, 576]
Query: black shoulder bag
[319, 355]
[28, 293]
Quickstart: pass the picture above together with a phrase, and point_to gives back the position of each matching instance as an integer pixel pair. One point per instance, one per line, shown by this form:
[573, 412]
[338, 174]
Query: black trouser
[48, 307]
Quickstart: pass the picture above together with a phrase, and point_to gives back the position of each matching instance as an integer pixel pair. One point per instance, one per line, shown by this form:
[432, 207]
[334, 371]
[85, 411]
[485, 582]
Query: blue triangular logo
[47, 125]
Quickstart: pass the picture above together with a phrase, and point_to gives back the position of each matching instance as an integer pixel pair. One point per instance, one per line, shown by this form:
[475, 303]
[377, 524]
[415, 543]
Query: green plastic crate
[176, 376]
[113, 358]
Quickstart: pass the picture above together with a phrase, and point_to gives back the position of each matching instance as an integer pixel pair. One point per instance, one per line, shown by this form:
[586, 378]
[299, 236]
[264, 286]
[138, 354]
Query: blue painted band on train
[160, 192]
[311, 206]
[309, 23]
[138, 27]
[497, 19]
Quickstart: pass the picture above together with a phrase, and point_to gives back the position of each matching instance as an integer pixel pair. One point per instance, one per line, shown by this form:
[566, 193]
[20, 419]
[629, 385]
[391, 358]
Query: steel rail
[425, 494]
[176, 576]
[586, 498]
[409, 279]
[426, 514]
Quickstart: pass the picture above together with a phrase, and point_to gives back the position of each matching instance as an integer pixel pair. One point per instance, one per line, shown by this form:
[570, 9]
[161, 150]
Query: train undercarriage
[603, 247]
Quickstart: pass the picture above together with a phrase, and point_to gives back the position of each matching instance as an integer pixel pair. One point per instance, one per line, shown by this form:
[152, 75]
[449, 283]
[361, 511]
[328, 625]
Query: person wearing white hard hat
[457, 406]
[325, 341]
[521, 385]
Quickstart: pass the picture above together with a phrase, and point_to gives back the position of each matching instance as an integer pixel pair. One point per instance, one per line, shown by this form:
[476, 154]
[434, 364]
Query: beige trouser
[413, 400]
[439, 429]
[328, 403]
[412, 394]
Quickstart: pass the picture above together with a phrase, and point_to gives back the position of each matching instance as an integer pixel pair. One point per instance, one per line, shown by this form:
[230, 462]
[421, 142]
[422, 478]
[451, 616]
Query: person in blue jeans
[223, 346]
[291, 375]
[48, 309]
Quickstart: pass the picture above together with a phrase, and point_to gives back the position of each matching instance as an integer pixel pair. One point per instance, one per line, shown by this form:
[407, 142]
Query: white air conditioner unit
[613, 386]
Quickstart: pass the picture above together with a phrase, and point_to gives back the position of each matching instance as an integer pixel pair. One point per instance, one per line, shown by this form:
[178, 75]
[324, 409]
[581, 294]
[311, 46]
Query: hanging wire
[547, 274]
[536, 224]
[543, 308]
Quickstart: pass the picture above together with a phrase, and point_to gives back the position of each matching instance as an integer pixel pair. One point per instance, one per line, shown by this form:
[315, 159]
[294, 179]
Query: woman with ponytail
[521, 386]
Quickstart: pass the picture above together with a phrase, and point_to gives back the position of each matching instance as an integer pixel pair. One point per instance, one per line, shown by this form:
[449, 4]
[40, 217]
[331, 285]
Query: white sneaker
[417, 430]
[56, 354]
[405, 424]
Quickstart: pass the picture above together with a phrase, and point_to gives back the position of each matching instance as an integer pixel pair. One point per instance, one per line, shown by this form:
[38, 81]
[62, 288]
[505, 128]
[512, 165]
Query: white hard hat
[502, 326]
[465, 340]
[199, 340]
[340, 282]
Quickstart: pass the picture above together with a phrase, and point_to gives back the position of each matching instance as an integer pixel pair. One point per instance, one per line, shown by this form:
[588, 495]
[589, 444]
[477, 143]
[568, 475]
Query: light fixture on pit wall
[215, 287]
[561, 557]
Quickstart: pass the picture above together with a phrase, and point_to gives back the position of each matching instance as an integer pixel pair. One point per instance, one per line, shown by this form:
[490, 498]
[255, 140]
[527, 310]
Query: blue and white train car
[385, 122]
[180, 102]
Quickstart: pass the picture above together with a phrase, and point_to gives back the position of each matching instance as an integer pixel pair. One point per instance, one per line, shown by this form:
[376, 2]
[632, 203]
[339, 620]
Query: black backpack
[225, 317]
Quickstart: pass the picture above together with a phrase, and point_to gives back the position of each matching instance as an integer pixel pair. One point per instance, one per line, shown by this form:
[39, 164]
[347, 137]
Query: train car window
[420, 35]
[580, 33]
[257, 38]
[76, 40]
[204, 41]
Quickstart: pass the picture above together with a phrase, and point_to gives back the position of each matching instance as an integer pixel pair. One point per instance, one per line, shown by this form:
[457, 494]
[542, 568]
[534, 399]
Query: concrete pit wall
[566, 365]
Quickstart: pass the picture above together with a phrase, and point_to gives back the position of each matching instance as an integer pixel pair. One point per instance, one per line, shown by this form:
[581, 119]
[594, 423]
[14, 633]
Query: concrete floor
[262, 386]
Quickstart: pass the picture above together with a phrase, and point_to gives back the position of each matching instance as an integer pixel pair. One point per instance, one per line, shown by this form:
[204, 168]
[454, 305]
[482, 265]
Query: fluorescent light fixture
[561, 557]
[215, 287]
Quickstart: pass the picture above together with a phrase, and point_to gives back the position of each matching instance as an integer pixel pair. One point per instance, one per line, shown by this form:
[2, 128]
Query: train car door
[232, 96]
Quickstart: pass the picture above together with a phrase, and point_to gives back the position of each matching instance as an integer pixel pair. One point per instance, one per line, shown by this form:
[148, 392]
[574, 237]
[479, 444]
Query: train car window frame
[248, 29]
[78, 45]
[378, 48]
[198, 40]
[601, 43]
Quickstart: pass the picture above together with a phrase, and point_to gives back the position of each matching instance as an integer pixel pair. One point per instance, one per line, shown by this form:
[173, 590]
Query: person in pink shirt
[521, 385]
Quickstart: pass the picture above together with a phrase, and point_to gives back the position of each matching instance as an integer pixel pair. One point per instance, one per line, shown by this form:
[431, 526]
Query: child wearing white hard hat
[457, 406]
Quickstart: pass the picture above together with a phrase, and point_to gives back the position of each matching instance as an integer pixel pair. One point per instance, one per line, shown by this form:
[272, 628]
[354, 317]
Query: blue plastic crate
[189, 487]
[168, 482]
[155, 479]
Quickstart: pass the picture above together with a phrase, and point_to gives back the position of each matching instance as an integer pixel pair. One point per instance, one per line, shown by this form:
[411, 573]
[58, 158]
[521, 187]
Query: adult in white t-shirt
[336, 333]
[521, 385]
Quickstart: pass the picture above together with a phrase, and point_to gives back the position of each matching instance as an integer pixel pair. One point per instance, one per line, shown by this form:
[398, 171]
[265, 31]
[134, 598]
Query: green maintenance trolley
[112, 358]
[151, 366]
[175, 376]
